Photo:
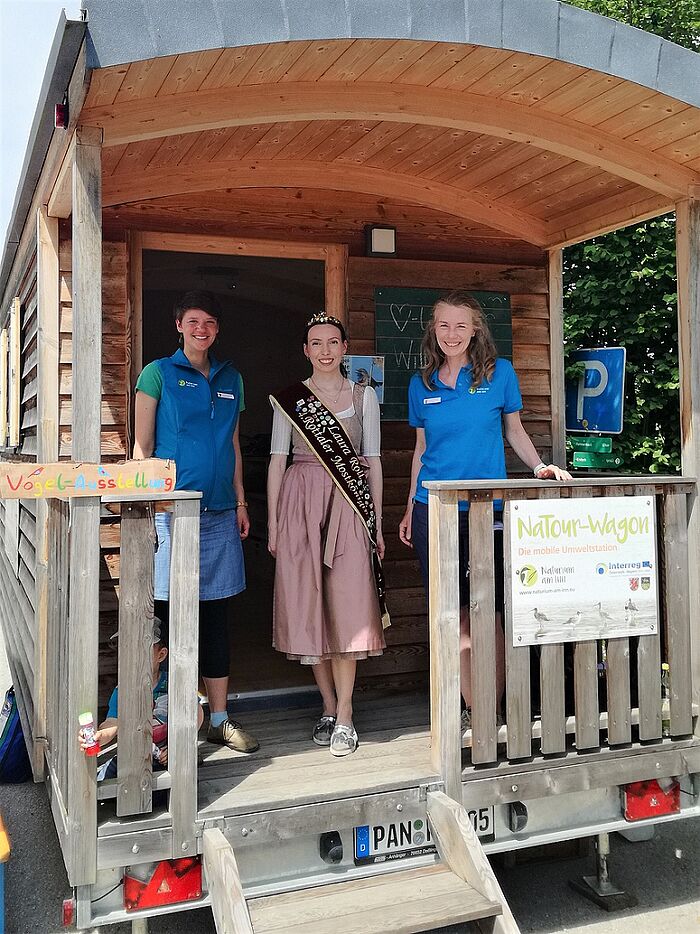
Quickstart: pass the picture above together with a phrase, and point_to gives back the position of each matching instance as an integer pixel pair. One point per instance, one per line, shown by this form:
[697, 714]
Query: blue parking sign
[595, 402]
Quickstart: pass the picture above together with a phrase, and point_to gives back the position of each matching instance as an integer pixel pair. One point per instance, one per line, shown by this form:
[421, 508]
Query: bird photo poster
[583, 569]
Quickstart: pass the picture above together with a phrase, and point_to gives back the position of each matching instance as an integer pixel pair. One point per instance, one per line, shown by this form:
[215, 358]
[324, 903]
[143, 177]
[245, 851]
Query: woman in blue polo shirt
[461, 403]
[187, 409]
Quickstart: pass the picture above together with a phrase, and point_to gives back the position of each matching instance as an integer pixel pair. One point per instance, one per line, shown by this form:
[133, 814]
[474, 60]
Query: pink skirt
[326, 603]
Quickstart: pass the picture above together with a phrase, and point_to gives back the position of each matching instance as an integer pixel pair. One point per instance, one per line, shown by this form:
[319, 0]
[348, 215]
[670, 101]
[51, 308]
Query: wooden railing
[72, 668]
[589, 728]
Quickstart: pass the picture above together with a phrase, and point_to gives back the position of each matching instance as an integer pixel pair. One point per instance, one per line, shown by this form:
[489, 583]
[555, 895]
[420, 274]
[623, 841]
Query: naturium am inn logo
[528, 575]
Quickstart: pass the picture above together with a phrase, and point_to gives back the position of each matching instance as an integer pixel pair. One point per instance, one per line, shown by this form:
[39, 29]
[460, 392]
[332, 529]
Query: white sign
[583, 569]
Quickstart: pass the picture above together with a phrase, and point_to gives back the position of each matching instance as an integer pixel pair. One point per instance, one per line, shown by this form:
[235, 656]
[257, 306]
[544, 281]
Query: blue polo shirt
[463, 426]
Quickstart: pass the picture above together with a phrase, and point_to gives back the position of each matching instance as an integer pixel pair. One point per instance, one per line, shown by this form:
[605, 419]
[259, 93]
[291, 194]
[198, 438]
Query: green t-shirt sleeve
[150, 381]
[241, 394]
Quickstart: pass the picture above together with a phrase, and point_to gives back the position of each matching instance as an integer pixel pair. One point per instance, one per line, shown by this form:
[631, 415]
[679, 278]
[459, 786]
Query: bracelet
[536, 469]
[241, 503]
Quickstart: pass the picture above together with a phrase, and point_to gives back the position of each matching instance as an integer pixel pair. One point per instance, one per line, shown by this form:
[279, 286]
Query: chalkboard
[401, 316]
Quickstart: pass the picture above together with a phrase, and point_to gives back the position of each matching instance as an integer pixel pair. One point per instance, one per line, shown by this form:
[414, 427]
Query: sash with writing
[330, 444]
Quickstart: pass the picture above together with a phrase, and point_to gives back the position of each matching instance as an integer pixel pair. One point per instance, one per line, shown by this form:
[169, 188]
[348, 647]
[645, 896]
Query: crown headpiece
[322, 318]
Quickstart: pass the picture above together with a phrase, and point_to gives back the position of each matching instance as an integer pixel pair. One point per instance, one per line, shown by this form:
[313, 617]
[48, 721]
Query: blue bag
[14, 760]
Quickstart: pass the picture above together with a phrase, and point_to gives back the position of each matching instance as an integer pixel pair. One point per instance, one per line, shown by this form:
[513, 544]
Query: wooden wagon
[247, 151]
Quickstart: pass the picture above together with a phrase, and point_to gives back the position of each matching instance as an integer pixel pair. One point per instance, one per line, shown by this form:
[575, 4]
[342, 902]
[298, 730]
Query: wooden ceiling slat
[614, 192]
[552, 188]
[241, 142]
[393, 61]
[412, 138]
[104, 85]
[656, 108]
[478, 63]
[346, 134]
[274, 62]
[539, 85]
[668, 130]
[596, 219]
[144, 79]
[356, 59]
[476, 151]
[558, 202]
[500, 80]
[316, 59]
[576, 92]
[209, 144]
[526, 175]
[189, 71]
[683, 150]
[378, 137]
[111, 156]
[450, 143]
[273, 142]
[312, 135]
[137, 156]
[174, 150]
[233, 65]
[617, 100]
[481, 170]
[430, 66]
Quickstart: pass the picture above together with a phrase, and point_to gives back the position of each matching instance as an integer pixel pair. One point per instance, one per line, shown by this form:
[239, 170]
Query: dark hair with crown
[323, 318]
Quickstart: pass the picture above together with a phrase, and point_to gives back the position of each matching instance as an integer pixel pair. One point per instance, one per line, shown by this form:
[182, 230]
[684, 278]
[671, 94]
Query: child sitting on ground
[107, 731]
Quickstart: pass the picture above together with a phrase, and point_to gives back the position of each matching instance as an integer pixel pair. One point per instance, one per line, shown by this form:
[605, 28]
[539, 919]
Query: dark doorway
[266, 302]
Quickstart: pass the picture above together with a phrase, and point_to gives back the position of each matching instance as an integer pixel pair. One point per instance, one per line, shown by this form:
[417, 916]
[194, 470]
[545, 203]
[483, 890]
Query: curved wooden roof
[550, 127]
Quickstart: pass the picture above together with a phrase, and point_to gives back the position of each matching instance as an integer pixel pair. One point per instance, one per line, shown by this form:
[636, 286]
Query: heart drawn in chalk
[401, 315]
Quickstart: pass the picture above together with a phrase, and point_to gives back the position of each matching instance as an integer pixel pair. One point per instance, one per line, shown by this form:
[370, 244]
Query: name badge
[432, 400]
[225, 395]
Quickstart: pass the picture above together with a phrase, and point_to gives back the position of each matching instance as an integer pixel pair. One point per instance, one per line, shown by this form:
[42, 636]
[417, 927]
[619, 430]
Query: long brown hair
[482, 349]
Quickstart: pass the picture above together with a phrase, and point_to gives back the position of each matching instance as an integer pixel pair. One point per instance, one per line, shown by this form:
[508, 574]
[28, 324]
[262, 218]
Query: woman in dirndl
[324, 528]
[187, 410]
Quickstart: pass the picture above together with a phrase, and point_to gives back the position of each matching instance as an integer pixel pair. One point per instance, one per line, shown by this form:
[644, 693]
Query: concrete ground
[663, 873]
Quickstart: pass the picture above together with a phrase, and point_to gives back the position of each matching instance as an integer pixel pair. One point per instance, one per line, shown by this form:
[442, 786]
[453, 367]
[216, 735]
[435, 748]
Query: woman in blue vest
[187, 410]
[461, 403]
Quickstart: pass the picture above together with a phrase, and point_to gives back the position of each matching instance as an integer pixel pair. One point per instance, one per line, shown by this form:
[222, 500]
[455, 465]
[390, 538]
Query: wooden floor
[288, 769]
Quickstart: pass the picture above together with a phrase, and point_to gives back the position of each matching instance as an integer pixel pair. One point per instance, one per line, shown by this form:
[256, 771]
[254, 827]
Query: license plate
[380, 843]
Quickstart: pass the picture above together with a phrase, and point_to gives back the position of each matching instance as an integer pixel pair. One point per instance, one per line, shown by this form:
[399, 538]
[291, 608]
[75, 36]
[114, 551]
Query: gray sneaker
[344, 740]
[323, 730]
[232, 734]
[466, 719]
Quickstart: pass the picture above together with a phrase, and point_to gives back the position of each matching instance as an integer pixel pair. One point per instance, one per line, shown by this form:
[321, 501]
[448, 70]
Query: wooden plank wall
[17, 572]
[114, 382]
[406, 657]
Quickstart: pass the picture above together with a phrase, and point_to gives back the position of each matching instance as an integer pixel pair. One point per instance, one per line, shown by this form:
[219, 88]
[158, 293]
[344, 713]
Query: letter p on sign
[590, 391]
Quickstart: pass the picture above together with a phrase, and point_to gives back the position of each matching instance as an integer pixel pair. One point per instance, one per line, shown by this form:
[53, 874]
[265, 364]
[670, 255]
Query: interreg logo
[527, 575]
[601, 568]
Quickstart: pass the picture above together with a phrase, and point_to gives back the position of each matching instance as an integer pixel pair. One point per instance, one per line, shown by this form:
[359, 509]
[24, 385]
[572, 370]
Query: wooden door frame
[333, 255]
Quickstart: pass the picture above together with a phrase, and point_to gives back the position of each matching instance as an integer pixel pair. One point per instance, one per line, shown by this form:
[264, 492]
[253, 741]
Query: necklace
[326, 393]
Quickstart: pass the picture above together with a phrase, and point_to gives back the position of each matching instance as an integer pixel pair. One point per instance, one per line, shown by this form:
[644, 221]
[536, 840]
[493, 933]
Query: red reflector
[648, 799]
[68, 912]
[172, 880]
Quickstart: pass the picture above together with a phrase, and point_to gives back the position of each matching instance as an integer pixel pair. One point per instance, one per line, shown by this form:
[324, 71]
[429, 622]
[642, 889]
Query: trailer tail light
[643, 800]
[165, 883]
[68, 912]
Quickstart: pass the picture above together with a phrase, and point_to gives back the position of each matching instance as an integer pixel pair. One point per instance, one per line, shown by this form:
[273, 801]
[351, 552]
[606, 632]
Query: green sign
[599, 445]
[401, 315]
[586, 459]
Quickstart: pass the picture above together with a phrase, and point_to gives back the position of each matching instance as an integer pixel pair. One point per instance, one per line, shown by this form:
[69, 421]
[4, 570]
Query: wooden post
[518, 714]
[81, 797]
[47, 452]
[556, 356]
[443, 614]
[87, 294]
[134, 328]
[688, 273]
[134, 762]
[483, 629]
[618, 677]
[552, 682]
[337, 281]
[228, 904]
[649, 678]
[586, 681]
[678, 612]
[182, 684]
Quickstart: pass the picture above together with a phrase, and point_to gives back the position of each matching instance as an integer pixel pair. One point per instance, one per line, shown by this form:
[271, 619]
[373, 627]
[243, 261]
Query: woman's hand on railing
[405, 526]
[553, 472]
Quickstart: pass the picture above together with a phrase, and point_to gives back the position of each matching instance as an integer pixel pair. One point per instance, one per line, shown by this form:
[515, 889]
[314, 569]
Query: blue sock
[216, 719]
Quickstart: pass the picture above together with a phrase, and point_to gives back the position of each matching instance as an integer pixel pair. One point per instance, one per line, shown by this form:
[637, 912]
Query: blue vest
[195, 422]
